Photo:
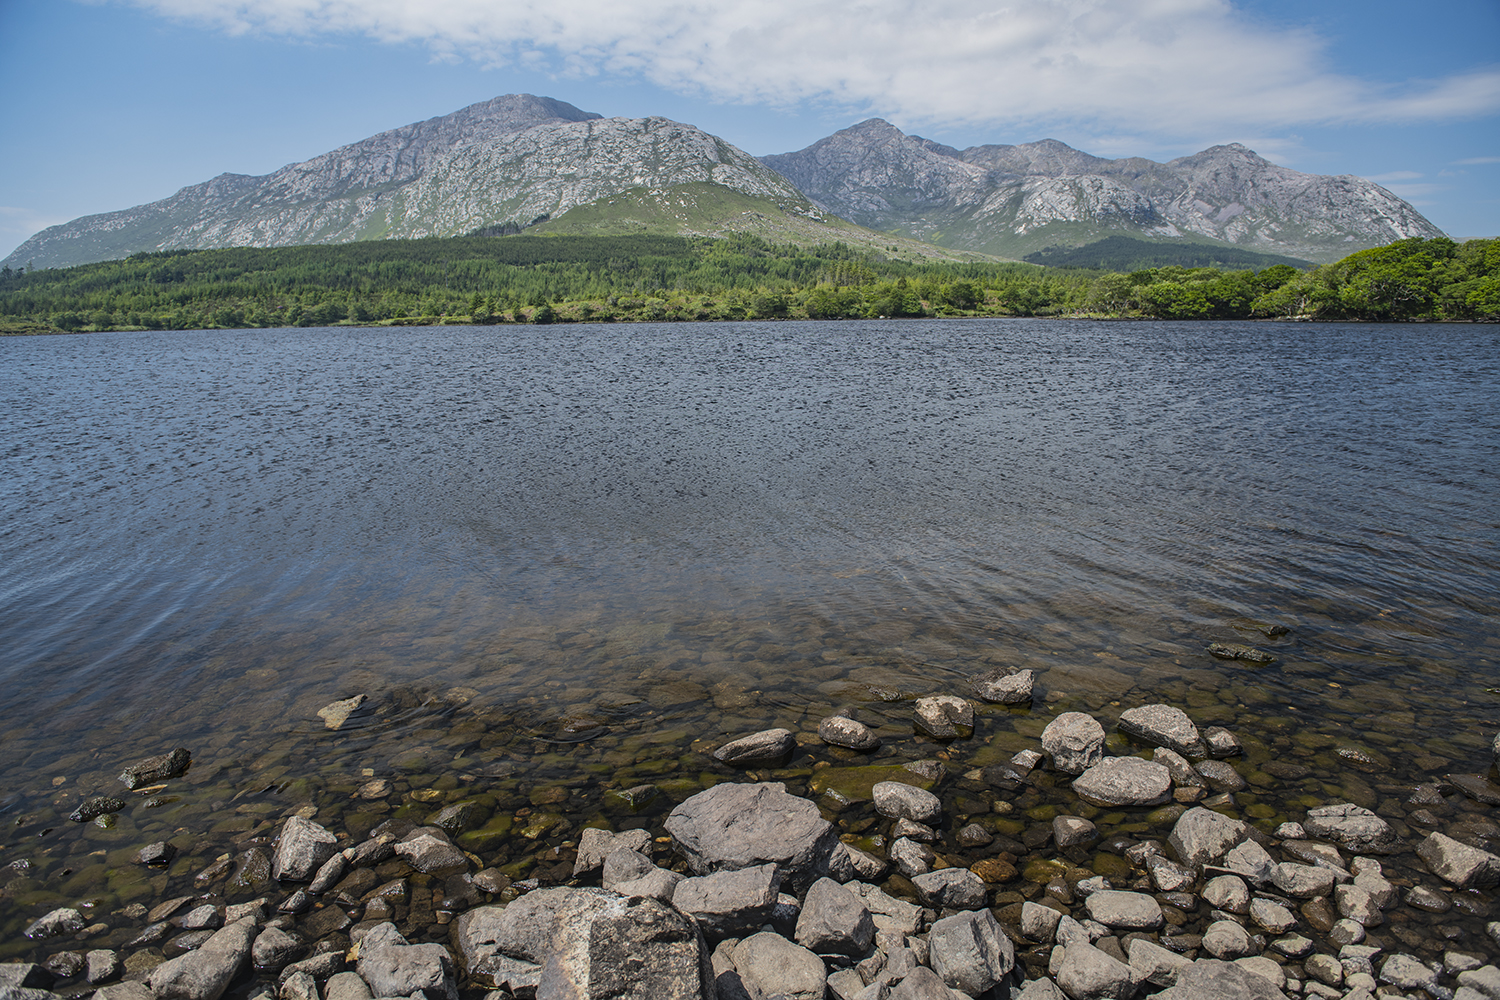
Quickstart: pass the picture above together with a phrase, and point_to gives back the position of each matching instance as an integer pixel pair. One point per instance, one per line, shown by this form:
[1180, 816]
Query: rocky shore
[1148, 868]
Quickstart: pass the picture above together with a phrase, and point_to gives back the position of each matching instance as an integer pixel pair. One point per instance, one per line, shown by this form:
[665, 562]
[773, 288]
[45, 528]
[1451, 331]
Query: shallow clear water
[588, 547]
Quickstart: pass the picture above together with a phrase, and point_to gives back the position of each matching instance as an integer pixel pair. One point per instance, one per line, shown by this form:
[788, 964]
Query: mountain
[1014, 200]
[501, 165]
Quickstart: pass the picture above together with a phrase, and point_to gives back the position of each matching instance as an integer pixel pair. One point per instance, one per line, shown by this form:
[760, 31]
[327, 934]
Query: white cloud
[1157, 66]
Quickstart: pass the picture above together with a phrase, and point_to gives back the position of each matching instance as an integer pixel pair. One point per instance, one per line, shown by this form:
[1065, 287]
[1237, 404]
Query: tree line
[540, 279]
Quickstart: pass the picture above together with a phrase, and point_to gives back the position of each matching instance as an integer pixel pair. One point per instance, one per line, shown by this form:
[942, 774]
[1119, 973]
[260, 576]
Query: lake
[567, 561]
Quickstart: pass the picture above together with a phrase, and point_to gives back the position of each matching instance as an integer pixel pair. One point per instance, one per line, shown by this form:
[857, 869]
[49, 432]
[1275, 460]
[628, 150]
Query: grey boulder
[428, 850]
[1074, 741]
[834, 921]
[1086, 973]
[394, 968]
[1202, 836]
[1125, 910]
[899, 800]
[205, 974]
[1209, 979]
[732, 903]
[595, 845]
[1353, 828]
[302, 849]
[1459, 864]
[625, 949]
[970, 952]
[1125, 781]
[162, 767]
[951, 889]
[733, 826]
[773, 968]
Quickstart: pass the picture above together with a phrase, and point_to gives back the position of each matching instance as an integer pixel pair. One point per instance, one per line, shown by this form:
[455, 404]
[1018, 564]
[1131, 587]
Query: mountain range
[1013, 200]
[520, 161]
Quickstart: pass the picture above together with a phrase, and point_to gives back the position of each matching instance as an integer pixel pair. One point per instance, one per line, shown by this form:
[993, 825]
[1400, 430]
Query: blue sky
[112, 103]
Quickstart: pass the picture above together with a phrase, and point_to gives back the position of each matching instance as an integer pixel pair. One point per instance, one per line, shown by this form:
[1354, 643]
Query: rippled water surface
[581, 555]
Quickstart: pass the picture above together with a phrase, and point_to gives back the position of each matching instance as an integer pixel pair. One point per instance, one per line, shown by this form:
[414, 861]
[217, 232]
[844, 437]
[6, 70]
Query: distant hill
[1011, 201]
[498, 166]
[1126, 253]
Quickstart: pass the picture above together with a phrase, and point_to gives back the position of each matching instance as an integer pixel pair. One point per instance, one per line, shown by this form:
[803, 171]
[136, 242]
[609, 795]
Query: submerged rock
[162, 767]
[1239, 651]
[335, 714]
[99, 805]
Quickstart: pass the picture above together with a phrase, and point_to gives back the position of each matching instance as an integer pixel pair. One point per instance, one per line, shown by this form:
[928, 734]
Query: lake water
[564, 561]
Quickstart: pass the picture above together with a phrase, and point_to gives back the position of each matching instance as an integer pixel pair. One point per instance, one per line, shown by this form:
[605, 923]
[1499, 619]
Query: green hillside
[649, 276]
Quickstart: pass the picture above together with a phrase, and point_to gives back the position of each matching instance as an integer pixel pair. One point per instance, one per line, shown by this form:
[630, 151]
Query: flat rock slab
[767, 748]
[1125, 781]
[1164, 726]
[1074, 741]
[733, 826]
[1353, 828]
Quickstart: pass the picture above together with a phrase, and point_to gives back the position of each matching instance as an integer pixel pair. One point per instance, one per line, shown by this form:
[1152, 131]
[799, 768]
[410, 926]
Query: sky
[114, 103]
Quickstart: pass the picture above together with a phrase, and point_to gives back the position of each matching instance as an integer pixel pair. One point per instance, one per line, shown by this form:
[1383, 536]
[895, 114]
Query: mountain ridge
[1009, 200]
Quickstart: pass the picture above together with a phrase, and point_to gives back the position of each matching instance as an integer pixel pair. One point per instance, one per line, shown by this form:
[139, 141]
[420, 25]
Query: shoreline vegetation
[644, 278]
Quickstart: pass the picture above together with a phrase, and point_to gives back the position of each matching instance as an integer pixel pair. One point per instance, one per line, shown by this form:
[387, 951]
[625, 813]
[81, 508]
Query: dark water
[560, 556]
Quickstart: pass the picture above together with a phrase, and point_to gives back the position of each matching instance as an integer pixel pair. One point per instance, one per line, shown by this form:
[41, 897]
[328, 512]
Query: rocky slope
[1011, 200]
[510, 160]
